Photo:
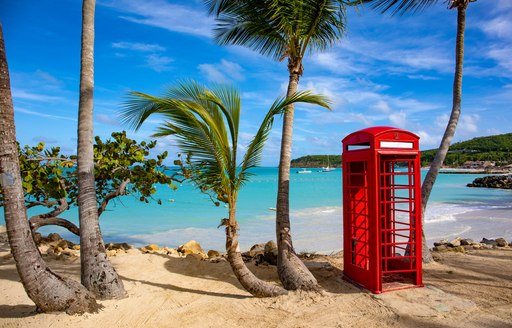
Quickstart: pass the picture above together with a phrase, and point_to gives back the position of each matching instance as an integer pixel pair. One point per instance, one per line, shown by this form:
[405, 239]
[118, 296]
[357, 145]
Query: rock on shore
[55, 246]
[493, 181]
[462, 245]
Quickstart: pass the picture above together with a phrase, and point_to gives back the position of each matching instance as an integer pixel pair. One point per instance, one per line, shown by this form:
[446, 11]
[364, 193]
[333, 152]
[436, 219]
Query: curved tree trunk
[249, 281]
[37, 222]
[51, 218]
[46, 289]
[436, 164]
[292, 271]
[98, 274]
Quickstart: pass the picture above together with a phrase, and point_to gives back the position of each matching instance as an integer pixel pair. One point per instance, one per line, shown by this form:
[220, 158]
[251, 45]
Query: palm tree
[282, 30]
[205, 123]
[47, 290]
[402, 6]
[98, 274]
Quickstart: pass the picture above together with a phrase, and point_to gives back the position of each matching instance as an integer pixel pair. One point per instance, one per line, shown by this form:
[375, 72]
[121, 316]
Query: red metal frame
[382, 209]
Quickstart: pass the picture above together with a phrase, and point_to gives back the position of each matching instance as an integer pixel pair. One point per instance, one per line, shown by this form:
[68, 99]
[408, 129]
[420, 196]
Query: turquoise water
[315, 203]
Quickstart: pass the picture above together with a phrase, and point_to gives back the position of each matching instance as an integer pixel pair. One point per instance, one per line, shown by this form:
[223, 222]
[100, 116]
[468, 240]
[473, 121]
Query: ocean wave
[442, 212]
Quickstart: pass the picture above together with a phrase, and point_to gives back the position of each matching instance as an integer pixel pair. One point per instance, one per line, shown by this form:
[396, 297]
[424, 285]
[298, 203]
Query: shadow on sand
[17, 311]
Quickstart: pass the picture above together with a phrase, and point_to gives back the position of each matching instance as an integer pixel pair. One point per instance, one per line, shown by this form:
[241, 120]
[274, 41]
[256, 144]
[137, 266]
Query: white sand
[461, 291]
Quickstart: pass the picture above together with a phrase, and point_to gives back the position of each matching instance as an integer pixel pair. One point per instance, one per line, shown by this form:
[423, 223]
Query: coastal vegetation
[496, 149]
[312, 161]
[282, 30]
[205, 122]
[121, 167]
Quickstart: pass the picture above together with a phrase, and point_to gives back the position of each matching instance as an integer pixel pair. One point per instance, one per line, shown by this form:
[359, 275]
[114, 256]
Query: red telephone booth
[382, 209]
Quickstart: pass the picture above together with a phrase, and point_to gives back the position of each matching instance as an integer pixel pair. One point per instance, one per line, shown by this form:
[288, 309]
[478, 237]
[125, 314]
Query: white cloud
[441, 121]
[498, 27]
[503, 56]
[468, 124]
[338, 62]
[387, 55]
[223, 72]
[423, 77]
[427, 139]
[169, 16]
[159, 63]
[106, 119]
[143, 47]
[399, 119]
[381, 106]
[53, 117]
[499, 23]
[494, 131]
[22, 94]
[155, 61]
[412, 105]
[48, 78]
[212, 73]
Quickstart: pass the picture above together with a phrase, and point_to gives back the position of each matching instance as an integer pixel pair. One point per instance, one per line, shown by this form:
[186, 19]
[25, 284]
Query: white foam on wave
[315, 211]
[442, 212]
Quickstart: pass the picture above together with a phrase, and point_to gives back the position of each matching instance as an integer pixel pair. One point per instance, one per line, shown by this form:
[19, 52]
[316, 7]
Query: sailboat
[328, 168]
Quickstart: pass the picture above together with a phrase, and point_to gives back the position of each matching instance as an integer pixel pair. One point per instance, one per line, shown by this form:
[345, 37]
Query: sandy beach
[461, 290]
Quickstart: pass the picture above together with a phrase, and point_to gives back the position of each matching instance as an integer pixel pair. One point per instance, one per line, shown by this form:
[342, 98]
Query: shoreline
[320, 230]
[474, 171]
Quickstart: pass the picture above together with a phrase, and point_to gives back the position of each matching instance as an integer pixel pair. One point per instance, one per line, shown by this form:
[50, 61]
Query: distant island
[489, 154]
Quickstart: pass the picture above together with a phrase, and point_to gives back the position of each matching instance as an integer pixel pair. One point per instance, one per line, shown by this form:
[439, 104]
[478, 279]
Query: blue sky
[386, 70]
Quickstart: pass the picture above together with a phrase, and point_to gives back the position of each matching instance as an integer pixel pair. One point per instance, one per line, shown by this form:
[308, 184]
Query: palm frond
[254, 151]
[138, 107]
[400, 6]
[253, 32]
[277, 28]
[196, 122]
[205, 123]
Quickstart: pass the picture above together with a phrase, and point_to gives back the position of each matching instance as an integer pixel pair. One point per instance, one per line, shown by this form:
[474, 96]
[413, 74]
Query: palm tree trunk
[98, 274]
[292, 271]
[249, 281]
[46, 289]
[433, 172]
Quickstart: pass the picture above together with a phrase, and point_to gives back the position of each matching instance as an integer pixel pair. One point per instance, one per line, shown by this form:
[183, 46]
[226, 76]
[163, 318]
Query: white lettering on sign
[396, 144]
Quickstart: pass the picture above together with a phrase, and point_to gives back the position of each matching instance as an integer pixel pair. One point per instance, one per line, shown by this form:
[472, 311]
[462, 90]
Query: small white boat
[304, 171]
[328, 168]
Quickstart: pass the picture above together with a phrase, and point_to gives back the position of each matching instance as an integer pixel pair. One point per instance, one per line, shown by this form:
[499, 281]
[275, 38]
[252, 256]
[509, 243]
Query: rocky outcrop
[54, 245]
[265, 253]
[462, 245]
[191, 249]
[493, 181]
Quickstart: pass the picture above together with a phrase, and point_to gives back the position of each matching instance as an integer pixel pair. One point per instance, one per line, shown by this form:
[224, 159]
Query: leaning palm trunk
[47, 290]
[436, 164]
[247, 279]
[98, 274]
[292, 271]
[205, 123]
